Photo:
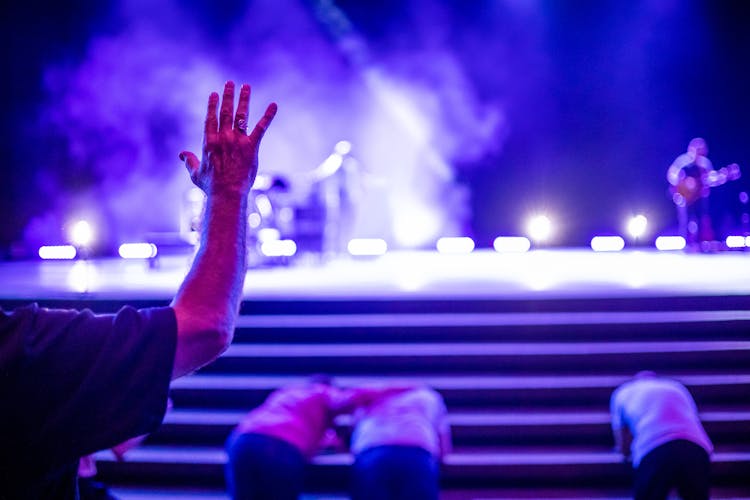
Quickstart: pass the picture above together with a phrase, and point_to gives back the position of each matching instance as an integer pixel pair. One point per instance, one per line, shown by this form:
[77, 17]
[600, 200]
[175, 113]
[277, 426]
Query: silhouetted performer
[691, 177]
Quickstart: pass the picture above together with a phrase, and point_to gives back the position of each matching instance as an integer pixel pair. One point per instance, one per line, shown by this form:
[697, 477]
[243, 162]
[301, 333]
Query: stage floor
[539, 274]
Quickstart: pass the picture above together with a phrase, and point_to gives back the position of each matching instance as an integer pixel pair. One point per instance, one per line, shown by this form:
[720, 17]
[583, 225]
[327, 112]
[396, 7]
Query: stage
[482, 274]
[525, 348]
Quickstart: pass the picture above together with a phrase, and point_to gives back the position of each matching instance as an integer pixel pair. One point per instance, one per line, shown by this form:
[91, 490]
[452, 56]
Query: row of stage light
[272, 246]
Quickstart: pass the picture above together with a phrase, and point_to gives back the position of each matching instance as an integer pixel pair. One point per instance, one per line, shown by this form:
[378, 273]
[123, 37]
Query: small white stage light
[670, 243]
[455, 245]
[637, 226]
[508, 244]
[137, 250]
[367, 246]
[607, 243]
[268, 234]
[278, 248]
[82, 234]
[57, 252]
[736, 242]
[539, 228]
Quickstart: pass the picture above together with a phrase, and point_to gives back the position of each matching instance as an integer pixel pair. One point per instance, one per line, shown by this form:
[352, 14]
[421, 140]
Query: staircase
[526, 382]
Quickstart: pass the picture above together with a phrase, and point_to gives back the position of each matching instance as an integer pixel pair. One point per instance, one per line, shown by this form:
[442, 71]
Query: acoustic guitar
[691, 188]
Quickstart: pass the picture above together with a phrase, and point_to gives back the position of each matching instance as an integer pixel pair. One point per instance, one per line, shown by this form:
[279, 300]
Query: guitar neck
[723, 175]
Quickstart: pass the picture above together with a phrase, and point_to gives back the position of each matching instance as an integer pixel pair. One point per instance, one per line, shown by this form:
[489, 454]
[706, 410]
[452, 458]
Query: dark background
[598, 98]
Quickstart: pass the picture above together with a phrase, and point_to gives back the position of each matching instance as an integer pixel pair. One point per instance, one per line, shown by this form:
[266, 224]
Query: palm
[229, 160]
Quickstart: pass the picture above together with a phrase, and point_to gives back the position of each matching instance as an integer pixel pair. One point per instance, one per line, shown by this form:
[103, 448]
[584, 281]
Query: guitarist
[691, 177]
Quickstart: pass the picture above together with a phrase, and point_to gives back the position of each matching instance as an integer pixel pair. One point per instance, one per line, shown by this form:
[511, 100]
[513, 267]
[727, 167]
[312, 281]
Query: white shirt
[656, 410]
[412, 418]
[684, 160]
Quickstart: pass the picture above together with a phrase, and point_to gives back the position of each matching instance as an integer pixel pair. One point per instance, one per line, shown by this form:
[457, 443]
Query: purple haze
[138, 98]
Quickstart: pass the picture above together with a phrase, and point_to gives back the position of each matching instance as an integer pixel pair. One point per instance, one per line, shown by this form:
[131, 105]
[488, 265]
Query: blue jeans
[262, 467]
[395, 473]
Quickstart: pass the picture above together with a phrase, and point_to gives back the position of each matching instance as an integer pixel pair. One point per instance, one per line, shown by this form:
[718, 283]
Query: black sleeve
[86, 382]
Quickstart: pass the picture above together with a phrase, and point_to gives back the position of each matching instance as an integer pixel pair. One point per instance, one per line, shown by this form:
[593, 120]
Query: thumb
[191, 161]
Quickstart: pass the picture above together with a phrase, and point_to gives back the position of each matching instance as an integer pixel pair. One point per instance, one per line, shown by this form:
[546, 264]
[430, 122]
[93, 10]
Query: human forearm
[207, 302]
[213, 286]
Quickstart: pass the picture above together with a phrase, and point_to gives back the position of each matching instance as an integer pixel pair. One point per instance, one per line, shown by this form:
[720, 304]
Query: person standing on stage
[656, 427]
[691, 177]
[687, 177]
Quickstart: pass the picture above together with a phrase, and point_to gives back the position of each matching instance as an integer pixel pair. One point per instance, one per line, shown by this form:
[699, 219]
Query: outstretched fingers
[227, 107]
[212, 123]
[263, 123]
[243, 108]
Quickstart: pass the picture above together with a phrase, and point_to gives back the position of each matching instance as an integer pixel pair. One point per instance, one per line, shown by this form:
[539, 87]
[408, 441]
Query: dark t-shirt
[72, 383]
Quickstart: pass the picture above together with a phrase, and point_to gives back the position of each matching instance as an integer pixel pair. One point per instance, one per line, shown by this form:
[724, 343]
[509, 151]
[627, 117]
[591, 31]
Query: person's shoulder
[164, 312]
[32, 318]
[8, 316]
[25, 310]
[672, 383]
[161, 319]
[624, 389]
[428, 393]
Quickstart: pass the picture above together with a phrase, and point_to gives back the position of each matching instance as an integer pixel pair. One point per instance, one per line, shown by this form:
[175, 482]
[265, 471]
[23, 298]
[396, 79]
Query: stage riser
[401, 303]
[485, 357]
[499, 399]
[415, 363]
[336, 477]
[335, 333]
[595, 435]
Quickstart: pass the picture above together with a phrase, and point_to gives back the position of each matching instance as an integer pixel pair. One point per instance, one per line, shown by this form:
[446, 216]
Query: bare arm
[620, 430]
[623, 440]
[444, 436]
[207, 302]
[682, 161]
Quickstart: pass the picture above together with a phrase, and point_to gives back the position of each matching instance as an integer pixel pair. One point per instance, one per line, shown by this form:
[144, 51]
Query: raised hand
[229, 160]
[207, 302]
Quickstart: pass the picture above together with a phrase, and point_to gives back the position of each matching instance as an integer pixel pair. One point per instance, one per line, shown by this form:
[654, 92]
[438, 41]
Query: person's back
[269, 449]
[411, 418]
[658, 410]
[656, 425]
[398, 443]
[299, 414]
